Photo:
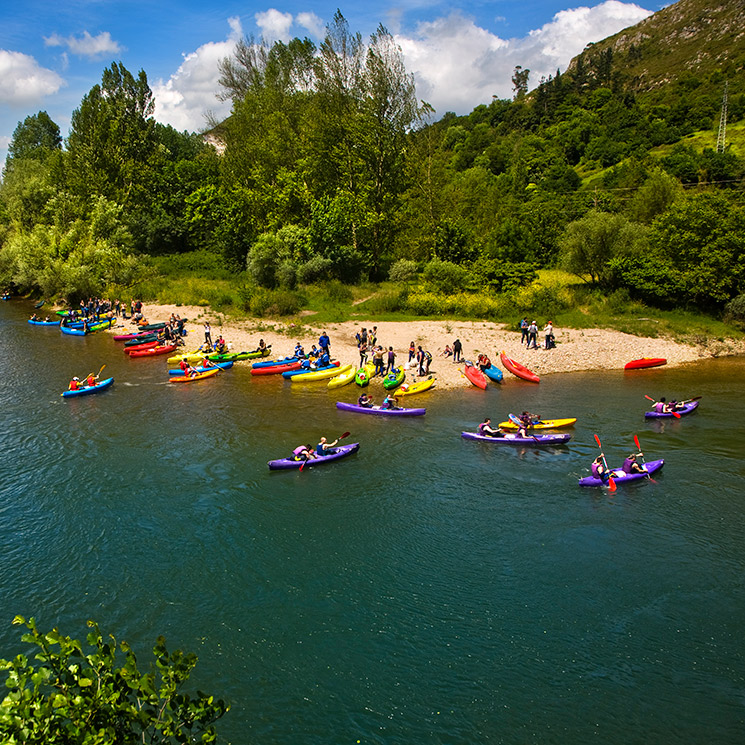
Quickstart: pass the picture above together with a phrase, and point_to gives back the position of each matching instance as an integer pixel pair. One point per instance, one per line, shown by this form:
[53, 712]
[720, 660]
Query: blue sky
[52, 53]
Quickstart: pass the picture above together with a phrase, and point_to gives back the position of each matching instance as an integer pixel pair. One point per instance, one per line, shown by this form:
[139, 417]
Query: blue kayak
[200, 369]
[43, 323]
[493, 373]
[102, 385]
[272, 363]
[302, 370]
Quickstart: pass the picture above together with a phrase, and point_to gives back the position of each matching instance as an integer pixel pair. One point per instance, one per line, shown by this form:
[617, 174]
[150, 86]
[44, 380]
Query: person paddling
[303, 452]
[598, 469]
[487, 430]
[324, 447]
[74, 384]
[365, 400]
[631, 466]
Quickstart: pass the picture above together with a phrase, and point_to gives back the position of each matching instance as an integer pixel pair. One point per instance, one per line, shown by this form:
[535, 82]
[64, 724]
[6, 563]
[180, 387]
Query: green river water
[425, 590]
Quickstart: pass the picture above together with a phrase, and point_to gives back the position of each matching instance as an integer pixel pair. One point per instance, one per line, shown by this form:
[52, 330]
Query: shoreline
[577, 350]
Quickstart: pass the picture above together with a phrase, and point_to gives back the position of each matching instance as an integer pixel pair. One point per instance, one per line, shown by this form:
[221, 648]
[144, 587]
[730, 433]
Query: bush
[275, 302]
[313, 270]
[734, 311]
[404, 270]
[389, 301]
[338, 292]
[444, 276]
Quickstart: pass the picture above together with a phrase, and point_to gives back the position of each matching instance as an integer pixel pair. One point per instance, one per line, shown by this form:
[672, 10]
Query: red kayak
[139, 347]
[645, 362]
[476, 376]
[165, 349]
[519, 370]
[276, 369]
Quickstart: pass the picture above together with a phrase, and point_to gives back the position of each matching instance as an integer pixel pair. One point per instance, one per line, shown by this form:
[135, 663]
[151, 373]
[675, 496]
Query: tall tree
[34, 138]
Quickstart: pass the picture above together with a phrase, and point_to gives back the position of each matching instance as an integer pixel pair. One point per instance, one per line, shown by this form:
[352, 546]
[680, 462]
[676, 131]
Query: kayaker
[34, 317]
[389, 402]
[91, 380]
[325, 448]
[185, 367]
[299, 351]
[484, 362]
[378, 360]
[631, 466]
[303, 452]
[220, 346]
[412, 351]
[365, 400]
[598, 468]
[660, 406]
[74, 385]
[487, 430]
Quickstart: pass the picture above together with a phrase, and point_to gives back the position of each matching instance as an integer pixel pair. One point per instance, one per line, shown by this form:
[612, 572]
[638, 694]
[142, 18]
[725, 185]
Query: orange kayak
[519, 370]
[192, 378]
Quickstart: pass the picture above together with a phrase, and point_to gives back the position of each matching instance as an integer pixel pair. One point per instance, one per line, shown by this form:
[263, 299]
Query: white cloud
[311, 23]
[274, 25]
[458, 65]
[86, 45]
[185, 99]
[23, 81]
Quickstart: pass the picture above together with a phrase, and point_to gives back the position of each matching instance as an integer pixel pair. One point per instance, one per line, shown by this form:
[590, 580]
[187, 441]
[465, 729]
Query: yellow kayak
[343, 378]
[409, 389]
[546, 424]
[320, 374]
[188, 356]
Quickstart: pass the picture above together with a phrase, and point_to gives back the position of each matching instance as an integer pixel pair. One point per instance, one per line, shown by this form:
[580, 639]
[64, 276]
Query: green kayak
[394, 378]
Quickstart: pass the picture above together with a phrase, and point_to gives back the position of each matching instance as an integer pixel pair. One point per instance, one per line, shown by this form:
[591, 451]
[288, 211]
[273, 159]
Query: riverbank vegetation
[333, 191]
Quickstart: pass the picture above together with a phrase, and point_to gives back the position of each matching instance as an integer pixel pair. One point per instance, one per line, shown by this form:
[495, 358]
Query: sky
[461, 53]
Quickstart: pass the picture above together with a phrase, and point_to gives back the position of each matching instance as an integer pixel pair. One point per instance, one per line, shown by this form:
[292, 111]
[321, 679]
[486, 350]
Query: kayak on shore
[518, 370]
[102, 385]
[475, 376]
[341, 451]
[419, 386]
[334, 366]
[644, 363]
[363, 374]
[621, 477]
[153, 351]
[513, 439]
[321, 374]
[394, 378]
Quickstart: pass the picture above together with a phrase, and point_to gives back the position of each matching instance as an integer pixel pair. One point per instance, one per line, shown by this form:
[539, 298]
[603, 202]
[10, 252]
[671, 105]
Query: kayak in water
[341, 451]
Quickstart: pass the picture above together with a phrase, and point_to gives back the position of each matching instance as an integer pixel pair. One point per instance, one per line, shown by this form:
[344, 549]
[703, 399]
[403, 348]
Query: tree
[87, 696]
[520, 81]
[34, 138]
[588, 245]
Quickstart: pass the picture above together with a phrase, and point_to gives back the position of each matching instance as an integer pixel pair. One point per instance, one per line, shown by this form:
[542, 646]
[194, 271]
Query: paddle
[340, 437]
[611, 482]
[644, 463]
[674, 413]
[99, 373]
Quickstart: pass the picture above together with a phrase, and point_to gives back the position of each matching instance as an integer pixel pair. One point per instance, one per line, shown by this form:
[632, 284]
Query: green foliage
[445, 276]
[36, 138]
[404, 270]
[314, 270]
[263, 302]
[467, 305]
[338, 292]
[734, 311]
[88, 694]
[501, 276]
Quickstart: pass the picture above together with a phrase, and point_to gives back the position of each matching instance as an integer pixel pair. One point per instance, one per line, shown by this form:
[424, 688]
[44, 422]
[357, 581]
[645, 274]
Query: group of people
[524, 422]
[389, 402]
[667, 407]
[76, 384]
[529, 334]
[600, 470]
[385, 359]
[307, 452]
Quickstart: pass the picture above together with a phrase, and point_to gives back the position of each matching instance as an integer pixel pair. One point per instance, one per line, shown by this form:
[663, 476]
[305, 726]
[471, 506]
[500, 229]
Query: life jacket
[595, 470]
[659, 407]
[91, 380]
[428, 356]
[74, 385]
[298, 451]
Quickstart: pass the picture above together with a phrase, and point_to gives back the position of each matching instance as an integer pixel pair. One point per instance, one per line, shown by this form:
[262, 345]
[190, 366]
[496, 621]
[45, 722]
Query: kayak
[334, 367]
[621, 477]
[519, 370]
[687, 408]
[144, 345]
[152, 326]
[140, 340]
[379, 410]
[324, 374]
[342, 451]
[153, 351]
[79, 323]
[343, 378]
[235, 356]
[394, 378]
[645, 362]
[192, 378]
[363, 375]
[134, 335]
[91, 329]
[43, 323]
[493, 373]
[409, 389]
[102, 385]
[543, 424]
[475, 376]
[275, 369]
[272, 363]
[512, 439]
[221, 365]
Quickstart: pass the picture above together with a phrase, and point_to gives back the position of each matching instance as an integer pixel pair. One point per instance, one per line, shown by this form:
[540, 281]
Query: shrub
[313, 270]
[404, 270]
[275, 302]
[734, 311]
[338, 292]
[444, 276]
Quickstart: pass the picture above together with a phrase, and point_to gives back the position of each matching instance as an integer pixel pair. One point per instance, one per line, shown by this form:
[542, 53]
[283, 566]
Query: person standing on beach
[324, 342]
[548, 330]
[533, 336]
[391, 360]
[524, 330]
[457, 349]
[207, 333]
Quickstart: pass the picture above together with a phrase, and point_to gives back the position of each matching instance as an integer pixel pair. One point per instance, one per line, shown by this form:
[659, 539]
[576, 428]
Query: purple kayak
[621, 477]
[683, 410]
[342, 451]
[515, 439]
[379, 410]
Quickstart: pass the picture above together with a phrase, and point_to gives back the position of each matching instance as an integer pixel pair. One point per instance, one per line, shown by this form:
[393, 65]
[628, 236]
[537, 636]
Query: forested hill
[333, 170]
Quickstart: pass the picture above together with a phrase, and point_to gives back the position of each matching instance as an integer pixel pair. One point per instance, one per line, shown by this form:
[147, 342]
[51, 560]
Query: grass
[556, 295]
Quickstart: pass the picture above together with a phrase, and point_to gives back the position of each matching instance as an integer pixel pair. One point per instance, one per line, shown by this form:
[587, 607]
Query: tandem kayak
[342, 451]
[645, 362]
[621, 477]
[511, 439]
[410, 389]
[686, 408]
[320, 374]
[43, 323]
[394, 378]
[543, 424]
[221, 365]
[334, 366]
[91, 329]
[153, 351]
[276, 369]
[519, 370]
[475, 376]
[102, 385]
[191, 378]
[379, 410]
[273, 363]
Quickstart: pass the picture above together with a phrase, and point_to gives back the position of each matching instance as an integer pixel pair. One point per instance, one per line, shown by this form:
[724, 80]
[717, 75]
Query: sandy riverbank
[588, 349]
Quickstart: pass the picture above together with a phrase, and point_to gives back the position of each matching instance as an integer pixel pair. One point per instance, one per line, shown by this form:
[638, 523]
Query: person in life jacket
[631, 466]
[660, 406]
[303, 452]
[487, 430]
[484, 362]
[365, 400]
[598, 468]
[325, 448]
[389, 402]
[220, 346]
[91, 380]
[74, 385]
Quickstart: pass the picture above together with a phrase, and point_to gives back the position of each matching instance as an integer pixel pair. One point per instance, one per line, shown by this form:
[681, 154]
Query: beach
[576, 350]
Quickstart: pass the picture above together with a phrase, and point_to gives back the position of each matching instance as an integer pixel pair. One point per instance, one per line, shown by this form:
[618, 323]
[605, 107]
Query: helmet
[75, 378]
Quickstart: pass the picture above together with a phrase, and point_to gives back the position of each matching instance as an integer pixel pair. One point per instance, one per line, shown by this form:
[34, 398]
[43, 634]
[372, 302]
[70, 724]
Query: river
[425, 590]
